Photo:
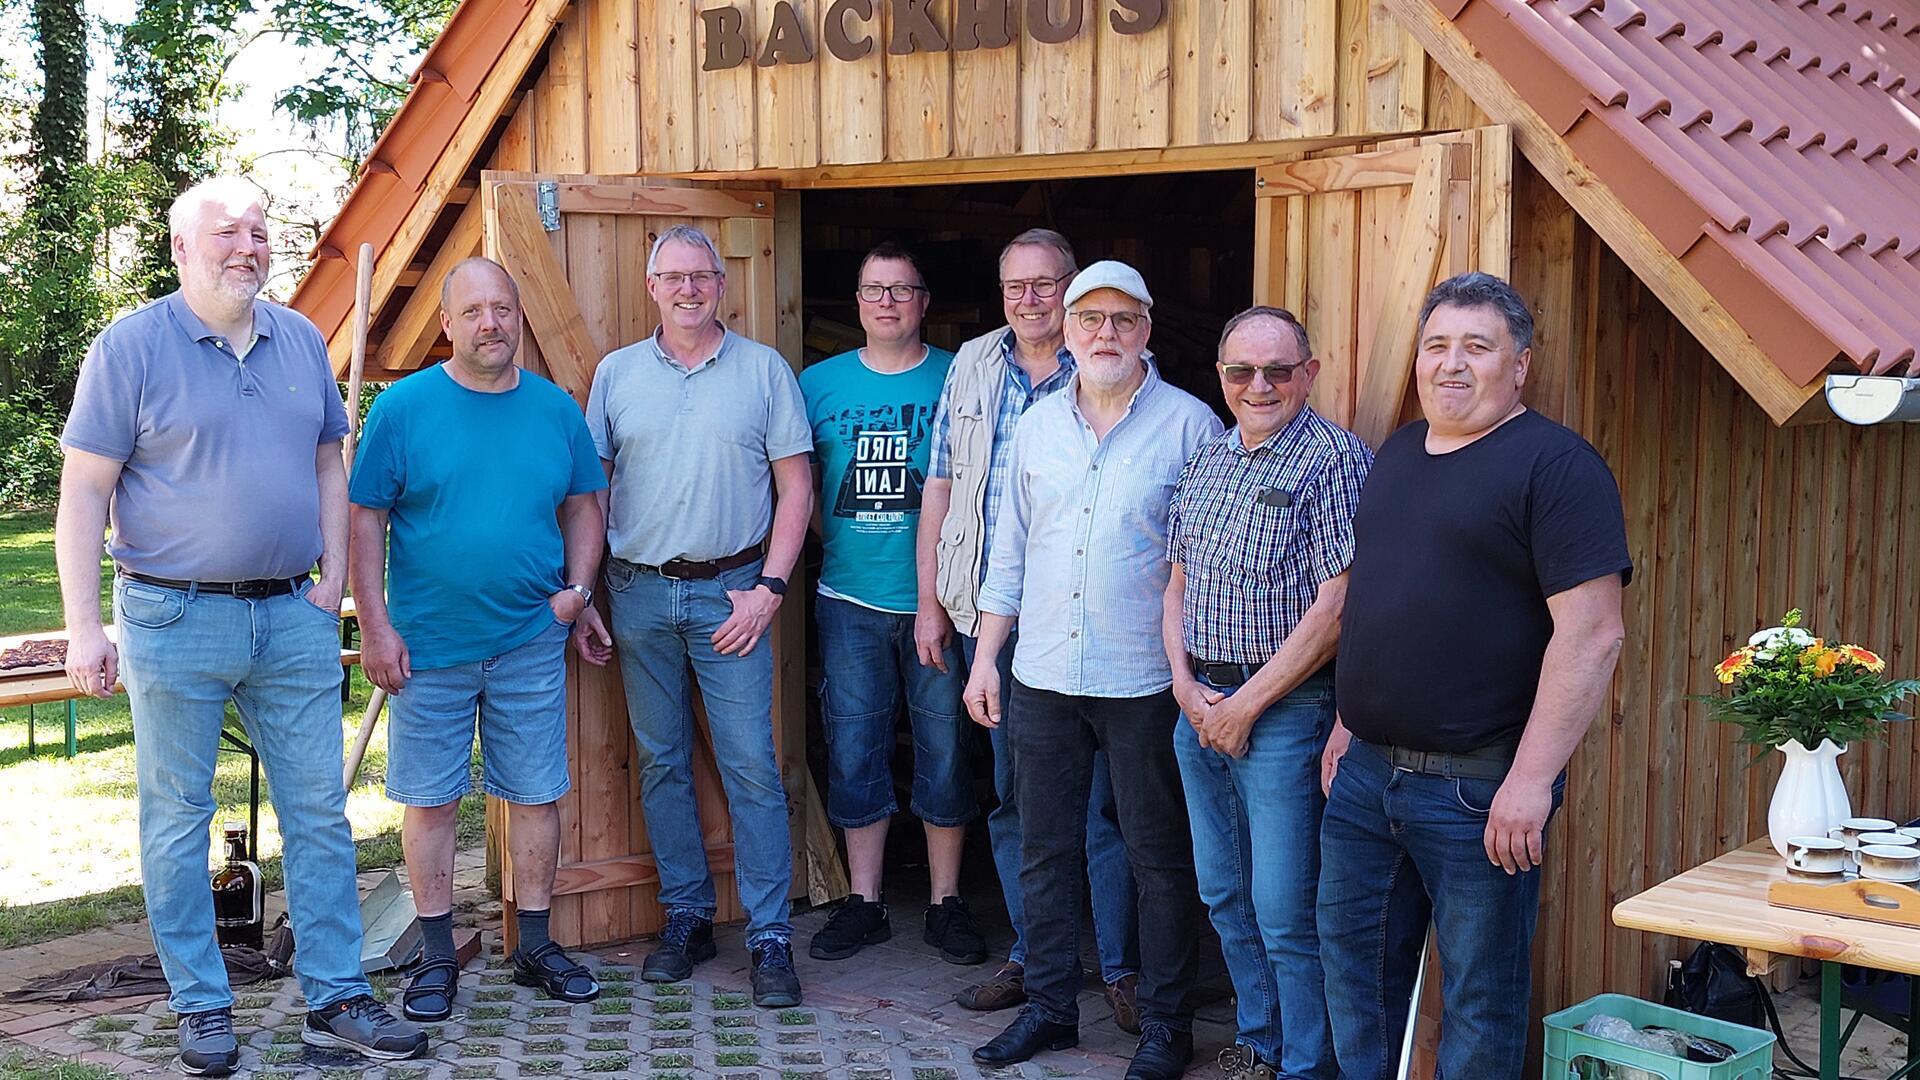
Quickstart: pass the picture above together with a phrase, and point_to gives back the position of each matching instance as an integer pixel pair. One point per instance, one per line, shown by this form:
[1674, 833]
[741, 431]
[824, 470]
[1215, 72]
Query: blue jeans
[1398, 849]
[868, 655]
[520, 698]
[661, 626]
[1116, 914]
[183, 655]
[1256, 848]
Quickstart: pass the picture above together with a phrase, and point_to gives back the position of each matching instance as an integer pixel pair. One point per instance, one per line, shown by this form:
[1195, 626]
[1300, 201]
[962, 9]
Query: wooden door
[1352, 242]
[577, 247]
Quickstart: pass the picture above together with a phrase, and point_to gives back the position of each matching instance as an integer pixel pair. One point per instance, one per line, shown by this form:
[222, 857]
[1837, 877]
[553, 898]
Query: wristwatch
[586, 594]
[776, 586]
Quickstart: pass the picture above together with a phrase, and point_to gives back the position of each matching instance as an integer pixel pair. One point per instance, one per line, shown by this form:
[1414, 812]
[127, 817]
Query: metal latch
[547, 198]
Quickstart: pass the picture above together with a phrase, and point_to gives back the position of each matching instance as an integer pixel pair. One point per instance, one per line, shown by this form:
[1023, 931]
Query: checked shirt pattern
[1260, 531]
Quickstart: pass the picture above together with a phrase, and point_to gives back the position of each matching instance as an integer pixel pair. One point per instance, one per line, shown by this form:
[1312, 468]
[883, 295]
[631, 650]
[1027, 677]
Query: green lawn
[32, 1065]
[72, 859]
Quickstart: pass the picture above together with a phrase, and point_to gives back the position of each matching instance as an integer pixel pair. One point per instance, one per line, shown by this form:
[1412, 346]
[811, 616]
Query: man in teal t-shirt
[872, 411]
[475, 484]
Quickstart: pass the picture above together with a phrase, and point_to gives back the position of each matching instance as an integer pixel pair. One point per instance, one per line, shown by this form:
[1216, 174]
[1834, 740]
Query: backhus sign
[851, 29]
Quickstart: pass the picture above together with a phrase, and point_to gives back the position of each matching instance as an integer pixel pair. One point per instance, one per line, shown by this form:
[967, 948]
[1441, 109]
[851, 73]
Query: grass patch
[672, 1023]
[727, 1059]
[673, 1061]
[546, 1046]
[615, 1064]
[738, 1020]
[542, 1067]
[612, 1007]
[731, 1001]
[113, 1023]
[23, 1065]
[736, 1038]
[488, 1012]
[491, 1029]
[606, 1044]
[795, 1016]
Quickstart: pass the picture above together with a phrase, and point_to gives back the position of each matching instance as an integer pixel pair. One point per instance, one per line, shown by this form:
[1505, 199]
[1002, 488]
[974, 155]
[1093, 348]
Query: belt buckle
[252, 590]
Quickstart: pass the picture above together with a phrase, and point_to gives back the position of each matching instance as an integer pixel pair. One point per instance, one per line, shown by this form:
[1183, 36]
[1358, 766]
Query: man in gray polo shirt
[210, 423]
[705, 438]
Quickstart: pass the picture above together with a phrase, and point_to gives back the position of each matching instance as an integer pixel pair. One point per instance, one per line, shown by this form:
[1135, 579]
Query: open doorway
[1190, 235]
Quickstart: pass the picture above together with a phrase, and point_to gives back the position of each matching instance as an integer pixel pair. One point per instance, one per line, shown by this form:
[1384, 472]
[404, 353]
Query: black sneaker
[856, 923]
[775, 985]
[950, 929]
[686, 940]
[207, 1044]
[365, 1027]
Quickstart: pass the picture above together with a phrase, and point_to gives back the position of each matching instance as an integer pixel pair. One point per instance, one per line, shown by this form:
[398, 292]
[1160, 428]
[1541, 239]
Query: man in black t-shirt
[1481, 629]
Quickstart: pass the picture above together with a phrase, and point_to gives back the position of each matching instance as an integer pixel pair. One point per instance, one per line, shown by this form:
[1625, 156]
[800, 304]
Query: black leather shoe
[1163, 1053]
[1029, 1034]
[686, 940]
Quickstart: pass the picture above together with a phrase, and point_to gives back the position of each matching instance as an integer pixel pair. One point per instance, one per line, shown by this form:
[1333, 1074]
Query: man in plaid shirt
[1260, 538]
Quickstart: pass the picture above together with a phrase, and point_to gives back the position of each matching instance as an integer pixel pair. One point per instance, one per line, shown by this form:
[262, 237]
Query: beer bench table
[39, 686]
[1725, 901]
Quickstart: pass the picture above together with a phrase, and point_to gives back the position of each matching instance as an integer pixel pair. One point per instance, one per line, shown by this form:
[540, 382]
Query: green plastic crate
[1566, 1043]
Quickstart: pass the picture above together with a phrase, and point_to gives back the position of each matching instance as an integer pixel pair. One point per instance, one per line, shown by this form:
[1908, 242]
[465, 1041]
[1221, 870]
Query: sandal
[429, 996]
[552, 970]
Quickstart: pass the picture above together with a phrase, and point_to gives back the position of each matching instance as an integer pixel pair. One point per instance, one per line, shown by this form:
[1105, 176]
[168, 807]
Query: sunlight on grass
[29, 585]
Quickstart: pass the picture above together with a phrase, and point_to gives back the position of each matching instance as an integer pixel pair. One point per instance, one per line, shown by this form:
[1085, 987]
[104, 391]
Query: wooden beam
[455, 163]
[565, 341]
[1416, 259]
[1353, 172]
[417, 327]
[587, 197]
[1697, 309]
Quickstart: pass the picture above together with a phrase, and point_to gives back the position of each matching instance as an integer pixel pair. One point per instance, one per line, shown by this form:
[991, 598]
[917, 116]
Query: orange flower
[1863, 658]
[1733, 665]
[1823, 661]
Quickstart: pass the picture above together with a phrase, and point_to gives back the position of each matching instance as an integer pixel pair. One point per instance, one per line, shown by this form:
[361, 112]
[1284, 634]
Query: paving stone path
[660, 1032]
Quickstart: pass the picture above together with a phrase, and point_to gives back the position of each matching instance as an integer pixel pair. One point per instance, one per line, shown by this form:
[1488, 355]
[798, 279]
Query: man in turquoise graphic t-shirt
[871, 411]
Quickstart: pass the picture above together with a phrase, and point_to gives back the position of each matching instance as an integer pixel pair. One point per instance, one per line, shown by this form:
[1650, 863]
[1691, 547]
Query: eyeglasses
[1043, 287]
[1124, 322]
[673, 279]
[1277, 374]
[901, 293]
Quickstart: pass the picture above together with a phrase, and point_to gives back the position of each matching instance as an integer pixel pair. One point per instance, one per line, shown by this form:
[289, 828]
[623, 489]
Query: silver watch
[586, 594]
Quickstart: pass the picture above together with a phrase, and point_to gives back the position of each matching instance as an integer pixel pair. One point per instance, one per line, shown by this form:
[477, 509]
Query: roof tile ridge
[1553, 36]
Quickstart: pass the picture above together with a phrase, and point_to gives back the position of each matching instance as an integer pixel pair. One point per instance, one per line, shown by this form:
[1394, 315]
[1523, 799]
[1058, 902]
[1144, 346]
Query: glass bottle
[238, 899]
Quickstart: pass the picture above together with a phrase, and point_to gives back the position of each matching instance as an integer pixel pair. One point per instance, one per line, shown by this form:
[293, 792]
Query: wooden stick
[362, 315]
[359, 750]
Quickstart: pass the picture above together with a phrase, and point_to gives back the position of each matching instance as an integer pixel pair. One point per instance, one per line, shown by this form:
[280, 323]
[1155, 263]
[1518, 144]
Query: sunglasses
[1277, 374]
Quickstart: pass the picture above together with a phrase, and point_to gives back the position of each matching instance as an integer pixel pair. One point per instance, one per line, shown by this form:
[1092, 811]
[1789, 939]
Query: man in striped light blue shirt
[1078, 563]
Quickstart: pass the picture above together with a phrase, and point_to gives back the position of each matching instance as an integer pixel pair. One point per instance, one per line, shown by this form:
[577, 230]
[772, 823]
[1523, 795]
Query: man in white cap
[1078, 566]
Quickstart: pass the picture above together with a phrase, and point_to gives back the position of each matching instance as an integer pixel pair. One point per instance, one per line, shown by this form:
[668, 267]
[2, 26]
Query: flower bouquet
[1809, 699]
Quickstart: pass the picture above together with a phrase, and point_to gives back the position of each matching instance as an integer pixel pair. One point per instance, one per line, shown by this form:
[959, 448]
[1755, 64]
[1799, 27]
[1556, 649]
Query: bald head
[478, 264]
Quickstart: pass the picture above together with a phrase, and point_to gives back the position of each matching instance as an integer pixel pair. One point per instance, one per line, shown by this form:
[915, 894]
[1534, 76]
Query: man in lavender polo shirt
[209, 422]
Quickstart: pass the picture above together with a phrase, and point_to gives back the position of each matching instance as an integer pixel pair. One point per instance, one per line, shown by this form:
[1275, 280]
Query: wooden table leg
[1829, 1020]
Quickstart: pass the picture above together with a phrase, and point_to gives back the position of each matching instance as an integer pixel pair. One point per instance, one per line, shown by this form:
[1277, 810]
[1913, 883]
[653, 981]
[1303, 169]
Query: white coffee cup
[1816, 855]
[1850, 830]
[1884, 862]
[1889, 839]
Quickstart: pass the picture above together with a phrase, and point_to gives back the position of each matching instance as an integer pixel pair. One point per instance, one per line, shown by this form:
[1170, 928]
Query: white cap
[1109, 274]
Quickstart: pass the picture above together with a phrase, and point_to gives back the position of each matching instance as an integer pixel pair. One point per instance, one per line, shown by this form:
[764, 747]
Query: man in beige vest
[993, 380]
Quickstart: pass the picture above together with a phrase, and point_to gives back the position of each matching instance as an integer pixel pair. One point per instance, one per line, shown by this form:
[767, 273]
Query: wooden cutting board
[1892, 902]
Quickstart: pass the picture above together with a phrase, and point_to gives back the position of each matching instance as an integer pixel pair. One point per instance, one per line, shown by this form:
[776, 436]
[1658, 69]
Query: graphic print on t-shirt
[881, 484]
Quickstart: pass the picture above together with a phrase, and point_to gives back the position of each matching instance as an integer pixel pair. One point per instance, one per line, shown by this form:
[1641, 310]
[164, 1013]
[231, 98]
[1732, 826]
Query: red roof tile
[1773, 146]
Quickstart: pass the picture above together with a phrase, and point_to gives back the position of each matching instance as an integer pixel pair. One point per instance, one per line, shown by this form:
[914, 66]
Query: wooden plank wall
[1731, 521]
[626, 75]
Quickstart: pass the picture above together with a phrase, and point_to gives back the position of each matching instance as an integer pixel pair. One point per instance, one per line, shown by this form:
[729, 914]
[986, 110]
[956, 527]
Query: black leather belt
[1222, 674]
[257, 589]
[1486, 763]
[689, 569]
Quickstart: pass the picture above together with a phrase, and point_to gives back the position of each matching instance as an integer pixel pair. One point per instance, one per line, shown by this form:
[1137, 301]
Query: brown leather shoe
[1007, 988]
[1123, 994]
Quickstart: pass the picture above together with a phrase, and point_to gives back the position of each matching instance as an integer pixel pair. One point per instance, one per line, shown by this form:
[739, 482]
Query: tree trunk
[58, 151]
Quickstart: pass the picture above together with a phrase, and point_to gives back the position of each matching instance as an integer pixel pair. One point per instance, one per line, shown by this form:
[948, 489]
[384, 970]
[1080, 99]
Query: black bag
[1714, 982]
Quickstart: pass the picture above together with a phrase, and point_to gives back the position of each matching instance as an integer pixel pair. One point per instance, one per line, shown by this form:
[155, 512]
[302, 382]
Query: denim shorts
[520, 697]
[868, 656]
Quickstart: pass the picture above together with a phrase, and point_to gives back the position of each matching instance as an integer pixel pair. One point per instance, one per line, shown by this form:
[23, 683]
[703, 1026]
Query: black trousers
[1054, 738]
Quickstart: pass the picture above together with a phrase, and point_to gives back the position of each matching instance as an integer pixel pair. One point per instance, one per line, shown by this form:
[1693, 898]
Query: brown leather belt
[698, 570]
[257, 589]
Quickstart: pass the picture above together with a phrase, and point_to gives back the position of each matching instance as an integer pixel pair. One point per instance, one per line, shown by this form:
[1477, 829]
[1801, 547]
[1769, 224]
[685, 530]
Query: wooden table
[1725, 901]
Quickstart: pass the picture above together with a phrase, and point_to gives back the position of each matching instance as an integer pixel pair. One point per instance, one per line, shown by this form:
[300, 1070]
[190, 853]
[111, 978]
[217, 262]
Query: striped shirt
[1260, 531]
[1079, 558]
[1016, 397]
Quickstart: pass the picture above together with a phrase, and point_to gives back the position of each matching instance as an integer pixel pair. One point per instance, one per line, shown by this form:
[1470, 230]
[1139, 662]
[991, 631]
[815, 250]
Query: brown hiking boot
[1123, 994]
[1007, 988]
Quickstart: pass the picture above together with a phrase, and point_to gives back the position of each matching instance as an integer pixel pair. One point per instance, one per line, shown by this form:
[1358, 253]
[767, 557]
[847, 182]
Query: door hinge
[547, 198]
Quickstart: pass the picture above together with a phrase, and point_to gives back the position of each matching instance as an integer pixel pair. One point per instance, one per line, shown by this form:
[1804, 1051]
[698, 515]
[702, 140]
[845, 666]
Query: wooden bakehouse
[1711, 205]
